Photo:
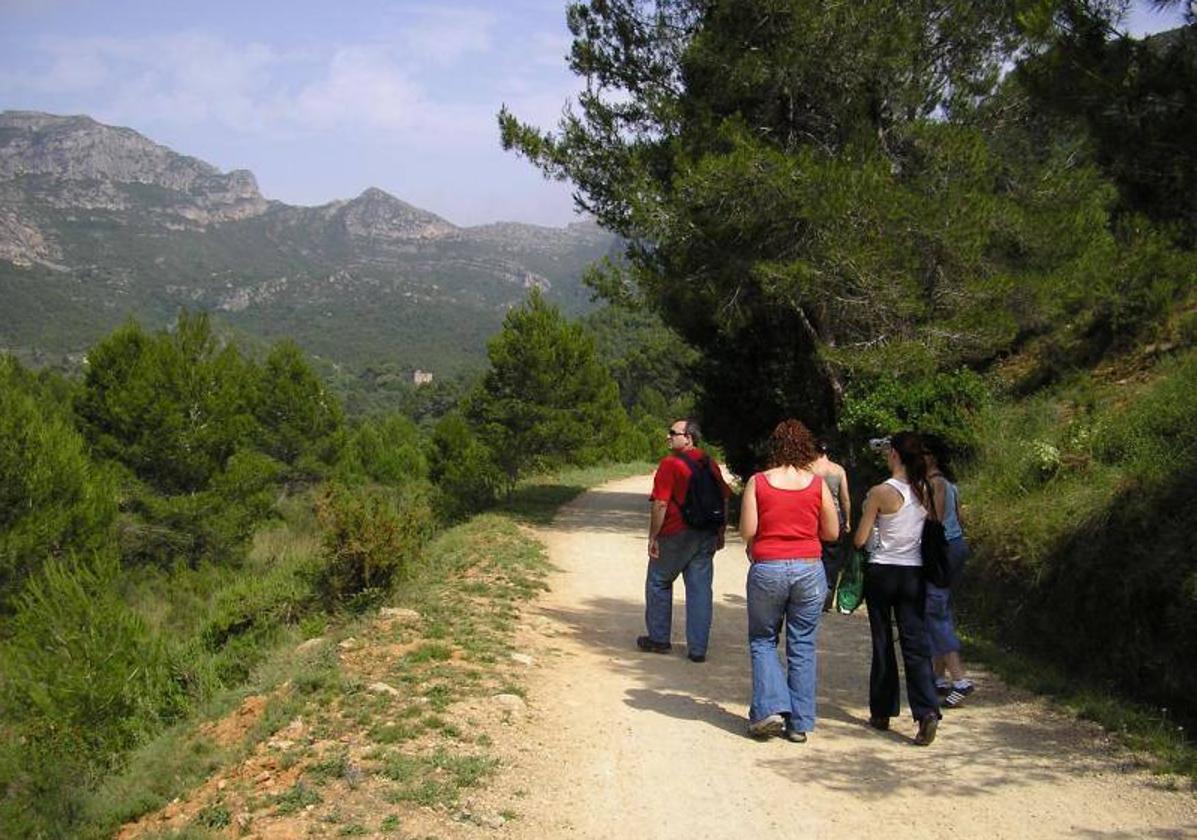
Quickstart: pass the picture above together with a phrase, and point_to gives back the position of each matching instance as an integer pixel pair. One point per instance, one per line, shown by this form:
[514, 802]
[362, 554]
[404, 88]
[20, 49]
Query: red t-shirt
[787, 521]
[669, 485]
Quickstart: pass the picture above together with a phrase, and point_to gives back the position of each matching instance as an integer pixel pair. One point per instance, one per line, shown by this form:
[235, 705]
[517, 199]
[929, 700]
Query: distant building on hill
[421, 377]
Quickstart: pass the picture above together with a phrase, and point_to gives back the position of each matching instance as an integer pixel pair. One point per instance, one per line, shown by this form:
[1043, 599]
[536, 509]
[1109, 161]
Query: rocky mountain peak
[376, 214]
[79, 162]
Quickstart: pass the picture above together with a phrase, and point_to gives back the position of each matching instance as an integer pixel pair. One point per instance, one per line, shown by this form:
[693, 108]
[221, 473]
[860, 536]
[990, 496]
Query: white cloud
[442, 36]
[360, 85]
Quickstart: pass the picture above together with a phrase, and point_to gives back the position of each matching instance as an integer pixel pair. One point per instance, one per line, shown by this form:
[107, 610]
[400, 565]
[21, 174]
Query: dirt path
[620, 743]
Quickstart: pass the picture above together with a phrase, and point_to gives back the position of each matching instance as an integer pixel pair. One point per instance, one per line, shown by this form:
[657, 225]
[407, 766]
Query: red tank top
[787, 521]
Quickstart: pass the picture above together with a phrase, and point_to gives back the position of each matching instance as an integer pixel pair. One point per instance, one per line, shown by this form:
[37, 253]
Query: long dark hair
[913, 455]
[938, 449]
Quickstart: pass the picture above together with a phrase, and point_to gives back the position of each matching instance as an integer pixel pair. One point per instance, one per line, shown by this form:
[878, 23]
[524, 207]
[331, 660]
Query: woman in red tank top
[786, 514]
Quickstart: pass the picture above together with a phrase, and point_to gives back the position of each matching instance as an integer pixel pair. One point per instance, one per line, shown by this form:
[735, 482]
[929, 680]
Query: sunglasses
[672, 433]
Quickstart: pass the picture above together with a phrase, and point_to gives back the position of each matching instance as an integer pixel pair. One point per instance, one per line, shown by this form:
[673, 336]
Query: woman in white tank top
[891, 525]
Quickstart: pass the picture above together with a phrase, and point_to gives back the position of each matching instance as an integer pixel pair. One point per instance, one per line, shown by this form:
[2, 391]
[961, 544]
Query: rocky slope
[98, 223]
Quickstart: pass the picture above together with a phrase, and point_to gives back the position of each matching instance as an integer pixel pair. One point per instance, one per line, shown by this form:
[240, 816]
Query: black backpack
[703, 508]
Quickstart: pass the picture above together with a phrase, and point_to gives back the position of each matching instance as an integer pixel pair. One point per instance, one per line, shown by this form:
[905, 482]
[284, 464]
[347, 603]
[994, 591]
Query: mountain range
[99, 224]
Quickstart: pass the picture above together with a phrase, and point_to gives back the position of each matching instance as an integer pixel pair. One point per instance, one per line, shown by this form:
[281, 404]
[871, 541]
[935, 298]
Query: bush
[53, 499]
[214, 524]
[941, 403]
[371, 535]
[300, 423]
[462, 468]
[83, 682]
[1084, 533]
[172, 407]
[388, 450]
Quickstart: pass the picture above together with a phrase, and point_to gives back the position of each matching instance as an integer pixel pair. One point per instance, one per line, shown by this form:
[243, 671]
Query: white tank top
[900, 534]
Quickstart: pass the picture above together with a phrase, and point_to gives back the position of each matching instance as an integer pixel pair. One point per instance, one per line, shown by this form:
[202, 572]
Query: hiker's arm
[726, 496]
[845, 501]
[939, 495]
[829, 522]
[656, 518]
[748, 518]
[868, 515]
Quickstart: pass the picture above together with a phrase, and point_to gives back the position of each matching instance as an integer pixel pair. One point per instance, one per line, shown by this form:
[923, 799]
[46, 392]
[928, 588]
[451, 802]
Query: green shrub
[941, 403]
[462, 468]
[172, 407]
[245, 618]
[84, 681]
[387, 449]
[53, 498]
[214, 524]
[370, 536]
[1080, 508]
[300, 422]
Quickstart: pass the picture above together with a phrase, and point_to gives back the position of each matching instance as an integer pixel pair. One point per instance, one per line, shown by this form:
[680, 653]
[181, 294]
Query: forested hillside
[971, 219]
[98, 224]
[186, 507]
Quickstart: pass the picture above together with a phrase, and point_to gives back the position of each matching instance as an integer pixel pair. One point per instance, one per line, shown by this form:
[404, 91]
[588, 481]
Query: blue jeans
[690, 554]
[941, 623]
[789, 591]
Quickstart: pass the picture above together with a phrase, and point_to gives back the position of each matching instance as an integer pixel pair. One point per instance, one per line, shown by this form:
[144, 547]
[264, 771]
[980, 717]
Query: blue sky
[320, 99]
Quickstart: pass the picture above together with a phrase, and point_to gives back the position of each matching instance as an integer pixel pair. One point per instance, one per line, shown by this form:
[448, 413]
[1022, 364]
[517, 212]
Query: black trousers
[898, 593]
[834, 556]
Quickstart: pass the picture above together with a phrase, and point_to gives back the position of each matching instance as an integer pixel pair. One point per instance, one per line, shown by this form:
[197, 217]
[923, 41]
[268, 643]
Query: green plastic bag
[850, 594]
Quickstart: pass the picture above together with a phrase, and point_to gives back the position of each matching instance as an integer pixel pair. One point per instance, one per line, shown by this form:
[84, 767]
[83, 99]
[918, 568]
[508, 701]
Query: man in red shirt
[675, 548]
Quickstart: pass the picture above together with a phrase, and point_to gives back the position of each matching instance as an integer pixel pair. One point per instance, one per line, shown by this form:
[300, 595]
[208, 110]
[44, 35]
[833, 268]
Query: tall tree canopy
[814, 191]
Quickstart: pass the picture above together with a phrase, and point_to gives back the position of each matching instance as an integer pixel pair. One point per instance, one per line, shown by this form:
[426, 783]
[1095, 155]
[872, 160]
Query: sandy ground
[619, 743]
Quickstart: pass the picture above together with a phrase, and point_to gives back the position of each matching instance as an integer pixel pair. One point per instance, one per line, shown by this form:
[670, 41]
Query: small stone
[348, 644]
[490, 820]
[222, 784]
[398, 614]
[262, 778]
[510, 702]
[523, 659]
[243, 821]
[310, 644]
[383, 688]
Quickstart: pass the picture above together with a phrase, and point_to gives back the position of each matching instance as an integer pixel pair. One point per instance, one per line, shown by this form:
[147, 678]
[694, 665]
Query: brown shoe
[926, 733]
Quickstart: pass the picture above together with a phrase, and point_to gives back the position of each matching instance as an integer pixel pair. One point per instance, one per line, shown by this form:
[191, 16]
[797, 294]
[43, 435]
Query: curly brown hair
[792, 444]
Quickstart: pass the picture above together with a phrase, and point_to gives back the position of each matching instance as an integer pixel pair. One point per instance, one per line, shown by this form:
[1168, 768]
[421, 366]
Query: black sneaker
[697, 657]
[647, 644]
[926, 733]
[881, 724]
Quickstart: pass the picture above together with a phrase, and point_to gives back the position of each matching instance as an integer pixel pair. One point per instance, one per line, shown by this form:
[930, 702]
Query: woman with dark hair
[891, 524]
[950, 680]
[786, 513]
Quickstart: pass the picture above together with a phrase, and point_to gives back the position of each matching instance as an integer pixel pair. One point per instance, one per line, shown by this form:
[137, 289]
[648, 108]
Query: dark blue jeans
[898, 594]
[690, 554]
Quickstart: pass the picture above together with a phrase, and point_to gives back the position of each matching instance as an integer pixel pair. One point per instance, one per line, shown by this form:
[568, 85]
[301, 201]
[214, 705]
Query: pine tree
[546, 399]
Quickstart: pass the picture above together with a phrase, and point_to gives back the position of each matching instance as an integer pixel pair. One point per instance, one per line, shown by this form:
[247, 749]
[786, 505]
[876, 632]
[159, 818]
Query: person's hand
[654, 550]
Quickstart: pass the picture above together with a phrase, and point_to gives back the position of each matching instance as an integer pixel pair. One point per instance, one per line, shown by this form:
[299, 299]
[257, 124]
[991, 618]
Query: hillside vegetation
[184, 512]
